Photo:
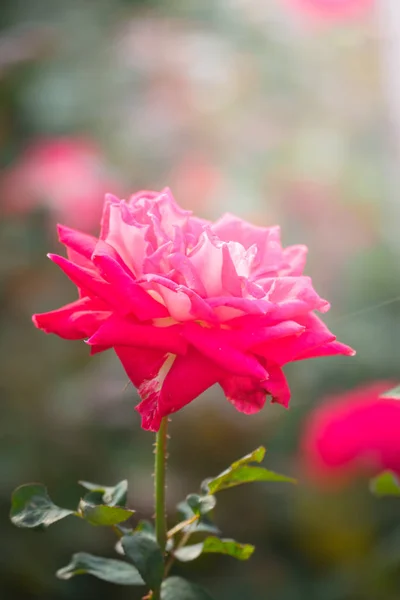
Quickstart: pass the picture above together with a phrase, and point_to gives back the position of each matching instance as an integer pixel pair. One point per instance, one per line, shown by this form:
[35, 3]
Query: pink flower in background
[353, 432]
[66, 175]
[332, 9]
[187, 303]
[315, 209]
[195, 179]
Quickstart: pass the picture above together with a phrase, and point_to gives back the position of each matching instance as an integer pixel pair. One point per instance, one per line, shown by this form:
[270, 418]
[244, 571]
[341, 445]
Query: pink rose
[67, 175]
[353, 432]
[332, 9]
[187, 303]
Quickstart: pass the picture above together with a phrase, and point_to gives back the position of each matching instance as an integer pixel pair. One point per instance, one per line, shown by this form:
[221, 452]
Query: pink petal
[329, 349]
[245, 305]
[184, 266]
[120, 331]
[73, 321]
[248, 395]
[242, 258]
[132, 298]
[294, 258]
[188, 377]
[97, 349]
[127, 239]
[207, 260]
[110, 200]
[79, 248]
[254, 321]
[171, 214]
[244, 339]
[352, 432]
[183, 304]
[277, 385]
[292, 296]
[140, 364]
[87, 280]
[81, 243]
[214, 344]
[267, 239]
[284, 350]
[174, 296]
[230, 279]
[149, 194]
[159, 260]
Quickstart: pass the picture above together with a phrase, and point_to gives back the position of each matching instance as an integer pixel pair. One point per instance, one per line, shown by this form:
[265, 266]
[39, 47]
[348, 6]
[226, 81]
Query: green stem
[159, 474]
[183, 541]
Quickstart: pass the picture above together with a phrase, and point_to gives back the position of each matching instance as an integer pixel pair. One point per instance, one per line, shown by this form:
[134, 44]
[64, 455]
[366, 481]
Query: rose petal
[267, 239]
[248, 395]
[231, 282]
[140, 364]
[284, 350]
[127, 239]
[207, 260]
[120, 331]
[292, 296]
[187, 377]
[294, 259]
[73, 321]
[182, 303]
[254, 336]
[132, 298]
[330, 349]
[87, 280]
[81, 243]
[277, 385]
[185, 267]
[214, 344]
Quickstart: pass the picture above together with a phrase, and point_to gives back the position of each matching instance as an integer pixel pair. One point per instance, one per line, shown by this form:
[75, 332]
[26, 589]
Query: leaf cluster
[144, 563]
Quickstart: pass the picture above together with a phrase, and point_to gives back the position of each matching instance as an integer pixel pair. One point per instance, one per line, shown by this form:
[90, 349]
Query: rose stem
[159, 474]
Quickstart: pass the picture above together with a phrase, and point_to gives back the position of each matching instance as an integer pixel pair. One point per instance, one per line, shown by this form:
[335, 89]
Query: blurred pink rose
[316, 210]
[353, 432]
[332, 9]
[66, 175]
[187, 303]
[195, 180]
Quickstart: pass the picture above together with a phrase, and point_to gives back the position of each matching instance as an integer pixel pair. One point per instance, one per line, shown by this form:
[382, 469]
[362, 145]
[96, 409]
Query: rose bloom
[358, 431]
[66, 175]
[332, 9]
[186, 303]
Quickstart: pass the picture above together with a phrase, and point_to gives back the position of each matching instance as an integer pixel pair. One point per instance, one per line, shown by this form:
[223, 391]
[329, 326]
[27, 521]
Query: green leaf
[108, 569]
[177, 588]
[102, 494]
[146, 527]
[143, 525]
[385, 484]
[32, 507]
[204, 523]
[215, 545]
[256, 456]
[243, 474]
[201, 505]
[143, 550]
[393, 393]
[104, 515]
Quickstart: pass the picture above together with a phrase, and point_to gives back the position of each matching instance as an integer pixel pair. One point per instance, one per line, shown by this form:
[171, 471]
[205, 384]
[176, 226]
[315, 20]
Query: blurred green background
[253, 106]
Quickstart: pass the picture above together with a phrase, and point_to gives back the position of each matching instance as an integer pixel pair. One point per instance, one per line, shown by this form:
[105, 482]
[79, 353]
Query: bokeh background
[282, 111]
